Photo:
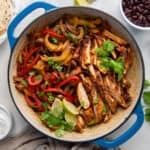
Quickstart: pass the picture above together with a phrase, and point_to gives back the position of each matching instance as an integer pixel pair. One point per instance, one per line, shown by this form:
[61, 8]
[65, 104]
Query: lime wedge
[71, 119]
[57, 107]
[81, 2]
[70, 107]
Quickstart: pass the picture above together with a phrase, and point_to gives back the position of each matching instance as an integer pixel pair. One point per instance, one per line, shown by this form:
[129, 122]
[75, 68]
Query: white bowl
[130, 22]
[5, 122]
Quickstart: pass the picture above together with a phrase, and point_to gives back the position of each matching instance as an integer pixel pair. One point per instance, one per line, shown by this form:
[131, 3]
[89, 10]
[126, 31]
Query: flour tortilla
[6, 12]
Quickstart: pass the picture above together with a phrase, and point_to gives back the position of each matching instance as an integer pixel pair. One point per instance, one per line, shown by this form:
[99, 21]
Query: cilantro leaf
[101, 52]
[69, 36]
[59, 132]
[95, 101]
[116, 65]
[38, 77]
[108, 46]
[146, 97]
[24, 82]
[50, 97]
[45, 105]
[146, 83]
[54, 64]
[54, 40]
[105, 110]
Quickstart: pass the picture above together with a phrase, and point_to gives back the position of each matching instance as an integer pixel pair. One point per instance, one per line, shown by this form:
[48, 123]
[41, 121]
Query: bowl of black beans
[136, 13]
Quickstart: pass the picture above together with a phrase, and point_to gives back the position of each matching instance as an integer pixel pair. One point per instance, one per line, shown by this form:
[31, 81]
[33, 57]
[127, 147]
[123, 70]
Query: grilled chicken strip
[85, 53]
[80, 124]
[115, 90]
[89, 116]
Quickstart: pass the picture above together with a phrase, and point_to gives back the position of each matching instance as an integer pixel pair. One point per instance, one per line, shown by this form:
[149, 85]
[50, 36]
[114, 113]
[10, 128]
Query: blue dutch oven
[98, 133]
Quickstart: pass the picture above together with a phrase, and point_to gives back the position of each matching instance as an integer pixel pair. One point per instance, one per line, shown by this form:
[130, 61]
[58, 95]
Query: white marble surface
[141, 139]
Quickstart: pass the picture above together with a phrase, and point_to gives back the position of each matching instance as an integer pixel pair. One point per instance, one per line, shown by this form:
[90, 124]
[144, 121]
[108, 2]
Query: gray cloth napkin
[33, 140]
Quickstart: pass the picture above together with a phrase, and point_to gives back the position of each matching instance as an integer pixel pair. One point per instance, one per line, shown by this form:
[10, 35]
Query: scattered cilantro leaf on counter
[146, 99]
[146, 83]
[147, 114]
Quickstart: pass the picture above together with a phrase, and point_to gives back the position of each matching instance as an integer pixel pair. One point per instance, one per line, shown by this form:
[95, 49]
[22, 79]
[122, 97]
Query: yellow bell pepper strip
[50, 46]
[65, 54]
[91, 24]
[81, 33]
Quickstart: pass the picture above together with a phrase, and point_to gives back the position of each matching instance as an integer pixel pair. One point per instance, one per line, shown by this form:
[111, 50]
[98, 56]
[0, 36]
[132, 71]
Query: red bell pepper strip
[27, 68]
[67, 95]
[68, 80]
[31, 52]
[54, 34]
[33, 81]
[34, 102]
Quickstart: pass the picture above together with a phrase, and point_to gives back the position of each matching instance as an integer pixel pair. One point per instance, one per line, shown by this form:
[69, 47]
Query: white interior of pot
[135, 75]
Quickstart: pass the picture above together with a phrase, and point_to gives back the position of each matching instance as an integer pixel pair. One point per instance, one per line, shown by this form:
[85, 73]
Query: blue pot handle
[128, 134]
[10, 33]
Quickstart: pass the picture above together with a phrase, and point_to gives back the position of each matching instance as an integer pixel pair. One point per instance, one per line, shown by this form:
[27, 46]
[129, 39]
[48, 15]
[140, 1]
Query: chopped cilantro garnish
[116, 65]
[82, 103]
[41, 94]
[105, 110]
[76, 41]
[32, 72]
[50, 97]
[69, 36]
[108, 45]
[54, 64]
[45, 105]
[24, 82]
[54, 40]
[106, 48]
[38, 77]
[59, 31]
[95, 101]
[59, 132]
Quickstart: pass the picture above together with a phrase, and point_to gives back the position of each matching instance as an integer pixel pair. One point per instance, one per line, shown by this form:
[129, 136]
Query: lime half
[71, 119]
[57, 107]
[70, 107]
[81, 2]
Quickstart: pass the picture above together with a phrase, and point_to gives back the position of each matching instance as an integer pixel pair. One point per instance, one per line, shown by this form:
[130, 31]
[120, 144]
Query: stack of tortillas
[6, 12]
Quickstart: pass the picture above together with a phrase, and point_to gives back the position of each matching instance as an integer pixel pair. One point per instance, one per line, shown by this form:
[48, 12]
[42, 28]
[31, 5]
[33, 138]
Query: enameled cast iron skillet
[136, 76]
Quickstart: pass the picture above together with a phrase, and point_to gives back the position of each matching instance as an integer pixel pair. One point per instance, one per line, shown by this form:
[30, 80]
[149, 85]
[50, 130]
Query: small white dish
[5, 122]
[130, 22]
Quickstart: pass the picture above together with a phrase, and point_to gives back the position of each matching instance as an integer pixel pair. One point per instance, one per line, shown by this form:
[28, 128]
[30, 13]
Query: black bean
[148, 18]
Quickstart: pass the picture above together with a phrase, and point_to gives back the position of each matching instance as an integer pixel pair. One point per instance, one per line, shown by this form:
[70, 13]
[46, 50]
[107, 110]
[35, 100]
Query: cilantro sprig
[104, 52]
